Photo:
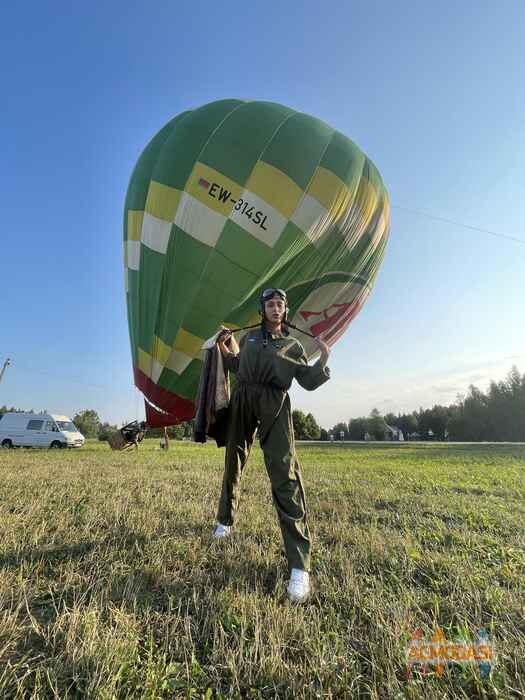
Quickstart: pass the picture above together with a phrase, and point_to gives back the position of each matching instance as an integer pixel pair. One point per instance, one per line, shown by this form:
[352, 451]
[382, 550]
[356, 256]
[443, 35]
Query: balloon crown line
[257, 325]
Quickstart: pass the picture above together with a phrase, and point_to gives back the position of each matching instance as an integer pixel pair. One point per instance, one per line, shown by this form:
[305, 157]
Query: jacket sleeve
[310, 377]
[231, 362]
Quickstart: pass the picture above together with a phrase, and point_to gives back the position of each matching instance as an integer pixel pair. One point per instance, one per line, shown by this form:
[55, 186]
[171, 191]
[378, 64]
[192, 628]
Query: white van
[38, 430]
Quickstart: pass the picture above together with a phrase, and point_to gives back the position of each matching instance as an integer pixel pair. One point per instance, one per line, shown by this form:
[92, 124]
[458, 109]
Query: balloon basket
[128, 436]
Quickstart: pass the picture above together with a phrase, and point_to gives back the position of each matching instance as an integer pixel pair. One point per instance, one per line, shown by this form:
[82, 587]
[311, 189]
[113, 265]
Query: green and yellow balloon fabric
[232, 198]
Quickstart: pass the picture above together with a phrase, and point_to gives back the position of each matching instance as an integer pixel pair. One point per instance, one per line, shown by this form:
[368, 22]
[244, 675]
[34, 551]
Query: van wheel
[56, 445]
[7, 444]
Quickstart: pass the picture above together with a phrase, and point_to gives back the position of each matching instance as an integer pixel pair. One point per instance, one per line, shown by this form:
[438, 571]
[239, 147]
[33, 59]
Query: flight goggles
[269, 293]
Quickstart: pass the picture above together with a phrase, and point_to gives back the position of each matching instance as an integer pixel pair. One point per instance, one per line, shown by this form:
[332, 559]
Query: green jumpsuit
[260, 400]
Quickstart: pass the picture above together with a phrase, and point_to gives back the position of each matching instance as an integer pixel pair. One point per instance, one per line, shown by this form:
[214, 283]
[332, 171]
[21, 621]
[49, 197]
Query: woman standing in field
[266, 362]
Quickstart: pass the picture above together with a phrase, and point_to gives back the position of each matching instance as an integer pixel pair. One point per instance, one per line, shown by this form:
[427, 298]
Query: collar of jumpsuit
[277, 334]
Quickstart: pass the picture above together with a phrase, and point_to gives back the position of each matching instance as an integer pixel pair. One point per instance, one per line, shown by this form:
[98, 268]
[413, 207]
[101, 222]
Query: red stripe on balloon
[181, 409]
[343, 323]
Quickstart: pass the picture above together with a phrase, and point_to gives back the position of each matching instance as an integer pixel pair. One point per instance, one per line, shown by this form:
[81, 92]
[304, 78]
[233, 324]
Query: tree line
[495, 415]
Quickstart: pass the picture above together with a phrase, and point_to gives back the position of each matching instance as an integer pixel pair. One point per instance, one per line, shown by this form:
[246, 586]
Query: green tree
[409, 424]
[357, 428]
[440, 416]
[176, 432]
[188, 428]
[300, 425]
[104, 431]
[338, 429]
[506, 408]
[377, 426]
[88, 422]
[470, 420]
[392, 420]
[433, 422]
[312, 430]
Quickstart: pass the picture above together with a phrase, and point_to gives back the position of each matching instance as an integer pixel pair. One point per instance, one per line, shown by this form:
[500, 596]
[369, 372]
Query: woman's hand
[325, 351]
[221, 342]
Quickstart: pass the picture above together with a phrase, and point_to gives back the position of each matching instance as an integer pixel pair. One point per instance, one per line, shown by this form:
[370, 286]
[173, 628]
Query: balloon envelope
[227, 200]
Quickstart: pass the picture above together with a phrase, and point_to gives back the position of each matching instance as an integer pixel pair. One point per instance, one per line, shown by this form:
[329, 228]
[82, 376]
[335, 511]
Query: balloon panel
[232, 198]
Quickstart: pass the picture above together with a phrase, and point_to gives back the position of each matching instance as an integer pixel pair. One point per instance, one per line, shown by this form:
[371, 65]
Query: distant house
[394, 433]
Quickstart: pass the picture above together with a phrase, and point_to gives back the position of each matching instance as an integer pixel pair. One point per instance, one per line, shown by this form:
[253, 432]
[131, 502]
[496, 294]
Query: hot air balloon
[231, 198]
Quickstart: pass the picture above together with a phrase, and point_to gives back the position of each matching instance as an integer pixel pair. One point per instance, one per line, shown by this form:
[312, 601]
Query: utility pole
[6, 365]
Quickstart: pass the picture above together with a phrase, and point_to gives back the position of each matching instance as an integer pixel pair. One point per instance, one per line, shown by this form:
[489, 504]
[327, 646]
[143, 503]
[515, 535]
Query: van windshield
[67, 425]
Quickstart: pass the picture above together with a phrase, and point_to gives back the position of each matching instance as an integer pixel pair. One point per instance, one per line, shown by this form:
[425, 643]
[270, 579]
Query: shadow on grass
[49, 556]
[144, 583]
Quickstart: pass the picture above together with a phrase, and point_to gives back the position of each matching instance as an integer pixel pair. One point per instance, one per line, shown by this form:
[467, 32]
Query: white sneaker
[221, 530]
[299, 586]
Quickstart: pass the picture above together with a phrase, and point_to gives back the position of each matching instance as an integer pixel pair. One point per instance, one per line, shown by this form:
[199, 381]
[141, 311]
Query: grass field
[111, 586]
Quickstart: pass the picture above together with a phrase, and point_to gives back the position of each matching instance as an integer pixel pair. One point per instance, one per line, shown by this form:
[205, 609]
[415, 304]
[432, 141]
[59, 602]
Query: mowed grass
[112, 587]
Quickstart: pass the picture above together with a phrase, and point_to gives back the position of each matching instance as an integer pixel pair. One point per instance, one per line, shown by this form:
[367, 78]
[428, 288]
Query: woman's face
[274, 309]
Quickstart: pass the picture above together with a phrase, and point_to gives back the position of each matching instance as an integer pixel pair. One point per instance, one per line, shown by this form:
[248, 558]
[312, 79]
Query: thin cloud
[446, 389]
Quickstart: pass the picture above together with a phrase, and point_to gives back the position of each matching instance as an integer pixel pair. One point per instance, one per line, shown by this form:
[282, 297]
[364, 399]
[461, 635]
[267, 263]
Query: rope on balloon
[286, 323]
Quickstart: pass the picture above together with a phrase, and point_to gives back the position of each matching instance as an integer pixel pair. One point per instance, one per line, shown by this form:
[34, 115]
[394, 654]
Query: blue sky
[434, 95]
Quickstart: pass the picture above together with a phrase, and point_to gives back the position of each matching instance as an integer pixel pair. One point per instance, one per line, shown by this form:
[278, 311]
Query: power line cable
[458, 223]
